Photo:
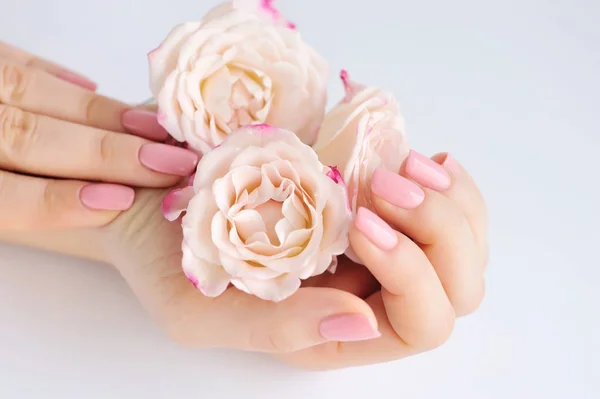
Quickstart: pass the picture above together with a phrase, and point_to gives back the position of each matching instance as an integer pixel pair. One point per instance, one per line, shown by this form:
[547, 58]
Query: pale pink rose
[242, 65]
[365, 131]
[263, 8]
[262, 214]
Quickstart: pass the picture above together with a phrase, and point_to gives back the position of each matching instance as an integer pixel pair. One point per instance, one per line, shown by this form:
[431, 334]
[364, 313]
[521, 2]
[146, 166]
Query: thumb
[310, 317]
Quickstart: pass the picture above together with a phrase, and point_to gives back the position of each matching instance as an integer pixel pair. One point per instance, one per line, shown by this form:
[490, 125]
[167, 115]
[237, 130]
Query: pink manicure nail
[348, 327]
[144, 123]
[426, 172]
[77, 79]
[396, 189]
[450, 163]
[375, 229]
[108, 197]
[168, 159]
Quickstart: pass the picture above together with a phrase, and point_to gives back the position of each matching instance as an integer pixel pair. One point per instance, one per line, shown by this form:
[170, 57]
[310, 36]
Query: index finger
[25, 58]
[37, 91]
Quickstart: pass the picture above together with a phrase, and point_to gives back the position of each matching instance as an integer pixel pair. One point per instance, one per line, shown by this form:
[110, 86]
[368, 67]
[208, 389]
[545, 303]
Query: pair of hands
[424, 250]
[57, 136]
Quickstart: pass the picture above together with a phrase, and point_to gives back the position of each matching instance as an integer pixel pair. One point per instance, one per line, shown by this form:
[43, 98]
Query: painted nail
[108, 197]
[450, 163]
[77, 79]
[143, 123]
[396, 189]
[348, 327]
[426, 172]
[375, 229]
[168, 159]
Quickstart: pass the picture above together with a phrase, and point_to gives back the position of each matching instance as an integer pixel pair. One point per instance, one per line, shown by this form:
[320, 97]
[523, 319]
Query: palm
[150, 259]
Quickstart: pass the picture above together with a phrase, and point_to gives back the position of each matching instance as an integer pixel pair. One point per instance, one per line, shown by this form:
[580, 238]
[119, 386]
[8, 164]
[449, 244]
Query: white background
[510, 87]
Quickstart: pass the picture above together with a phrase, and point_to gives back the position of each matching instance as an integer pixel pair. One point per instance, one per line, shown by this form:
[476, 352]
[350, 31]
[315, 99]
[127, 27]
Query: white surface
[510, 87]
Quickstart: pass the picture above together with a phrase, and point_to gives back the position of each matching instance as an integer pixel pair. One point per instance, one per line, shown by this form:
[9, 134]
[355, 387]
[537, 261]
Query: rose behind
[363, 132]
[242, 64]
[265, 210]
[263, 214]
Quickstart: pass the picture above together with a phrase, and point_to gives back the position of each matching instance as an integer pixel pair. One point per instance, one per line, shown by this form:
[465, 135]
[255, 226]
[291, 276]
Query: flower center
[236, 97]
[271, 213]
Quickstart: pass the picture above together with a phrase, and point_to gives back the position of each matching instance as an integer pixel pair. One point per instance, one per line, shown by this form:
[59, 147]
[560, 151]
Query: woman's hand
[65, 161]
[420, 274]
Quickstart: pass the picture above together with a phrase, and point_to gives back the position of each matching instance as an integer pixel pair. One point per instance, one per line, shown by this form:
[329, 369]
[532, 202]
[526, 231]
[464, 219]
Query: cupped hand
[424, 250]
[65, 160]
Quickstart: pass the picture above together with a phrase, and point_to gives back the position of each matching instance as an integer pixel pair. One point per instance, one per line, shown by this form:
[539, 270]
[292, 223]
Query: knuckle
[18, 133]
[91, 105]
[106, 148]
[53, 202]
[14, 80]
[271, 341]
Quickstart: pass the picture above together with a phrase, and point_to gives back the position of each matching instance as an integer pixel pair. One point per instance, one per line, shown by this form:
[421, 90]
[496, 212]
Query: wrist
[81, 243]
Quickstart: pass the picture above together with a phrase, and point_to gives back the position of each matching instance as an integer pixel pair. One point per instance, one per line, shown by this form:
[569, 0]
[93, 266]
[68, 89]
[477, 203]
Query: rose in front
[365, 131]
[263, 214]
[243, 64]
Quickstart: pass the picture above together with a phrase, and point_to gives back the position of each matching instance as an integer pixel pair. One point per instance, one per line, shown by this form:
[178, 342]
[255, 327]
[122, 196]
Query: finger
[144, 123]
[465, 193]
[36, 91]
[439, 226]
[33, 144]
[412, 309]
[349, 276]
[237, 320]
[30, 203]
[23, 57]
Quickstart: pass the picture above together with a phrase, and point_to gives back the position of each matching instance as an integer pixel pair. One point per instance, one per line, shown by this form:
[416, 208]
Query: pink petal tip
[350, 87]
[176, 202]
[334, 174]
[269, 8]
[192, 279]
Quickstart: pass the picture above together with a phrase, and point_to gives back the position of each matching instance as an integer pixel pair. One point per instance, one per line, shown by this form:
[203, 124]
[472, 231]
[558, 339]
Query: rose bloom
[365, 131]
[262, 214]
[243, 64]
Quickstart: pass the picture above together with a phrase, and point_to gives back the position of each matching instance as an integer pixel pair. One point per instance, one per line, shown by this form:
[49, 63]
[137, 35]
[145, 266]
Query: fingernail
[108, 197]
[450, 163]
[375, 229]
[426, 172]
[168, 159]
[348, 327]
[396, 189]
[143, 123]
[77, 79]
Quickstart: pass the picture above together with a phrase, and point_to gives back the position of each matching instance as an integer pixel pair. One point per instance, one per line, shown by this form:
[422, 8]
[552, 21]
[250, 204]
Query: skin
[47, 111]
[414, 291]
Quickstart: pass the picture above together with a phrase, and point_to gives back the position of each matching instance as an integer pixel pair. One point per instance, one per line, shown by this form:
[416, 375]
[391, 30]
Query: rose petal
[197, 222]
[211, 279]
[275, 290]
[176, 202]
[163, 59]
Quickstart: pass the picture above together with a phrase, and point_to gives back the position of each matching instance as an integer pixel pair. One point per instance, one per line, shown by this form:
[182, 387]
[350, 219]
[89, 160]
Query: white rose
[365, 131]
[262, 214]
[241, 65]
